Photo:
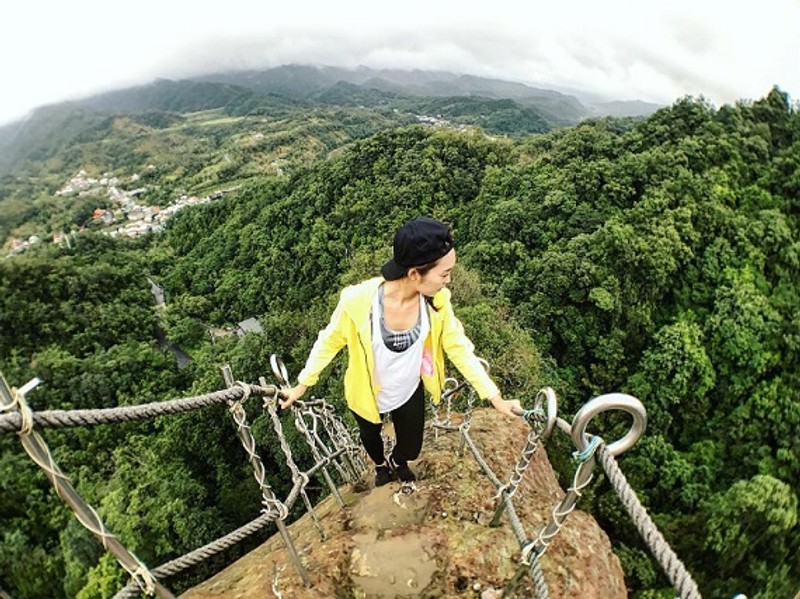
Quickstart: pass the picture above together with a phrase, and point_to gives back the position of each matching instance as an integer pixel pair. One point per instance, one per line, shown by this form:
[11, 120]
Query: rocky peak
[435, 541]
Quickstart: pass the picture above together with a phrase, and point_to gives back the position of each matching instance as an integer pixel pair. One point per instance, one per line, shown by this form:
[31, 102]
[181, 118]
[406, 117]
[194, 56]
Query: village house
[104, 216]
[249, 325]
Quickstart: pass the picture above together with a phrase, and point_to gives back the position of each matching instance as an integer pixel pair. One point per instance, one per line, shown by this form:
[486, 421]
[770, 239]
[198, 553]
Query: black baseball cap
[420, 241]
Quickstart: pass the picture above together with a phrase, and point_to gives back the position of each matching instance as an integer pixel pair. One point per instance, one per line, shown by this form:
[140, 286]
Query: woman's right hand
[291, 395]
[508, 407]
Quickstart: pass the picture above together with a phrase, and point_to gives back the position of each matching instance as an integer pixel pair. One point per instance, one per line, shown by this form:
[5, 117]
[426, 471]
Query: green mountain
[52, 128]
[165, 95]
[191, 137]
[282, 91]
[174, 138]
[301, 82]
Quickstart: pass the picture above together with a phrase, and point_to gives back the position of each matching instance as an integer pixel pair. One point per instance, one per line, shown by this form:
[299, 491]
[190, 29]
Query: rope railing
[201, 553]
[12, 421]
[330, 442]
[36, 448]
[673, 567]
[334, 451]
[543, 420]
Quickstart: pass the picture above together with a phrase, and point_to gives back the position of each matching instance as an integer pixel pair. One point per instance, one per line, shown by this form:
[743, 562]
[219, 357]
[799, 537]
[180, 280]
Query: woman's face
[438, 277]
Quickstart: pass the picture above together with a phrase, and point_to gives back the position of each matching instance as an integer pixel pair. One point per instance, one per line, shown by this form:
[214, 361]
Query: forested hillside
[167, 154]
[658, 258]
[168, 139]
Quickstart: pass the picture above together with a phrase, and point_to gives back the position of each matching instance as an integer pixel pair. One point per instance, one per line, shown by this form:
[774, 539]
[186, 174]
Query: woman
[397, 329]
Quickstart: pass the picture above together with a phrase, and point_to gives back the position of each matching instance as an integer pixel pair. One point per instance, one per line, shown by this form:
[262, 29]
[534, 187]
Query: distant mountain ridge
[182, 96]
[302, 81]
[498, 106]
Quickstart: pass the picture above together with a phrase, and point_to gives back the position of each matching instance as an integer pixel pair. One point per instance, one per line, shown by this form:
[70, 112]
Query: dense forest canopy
[657, 257]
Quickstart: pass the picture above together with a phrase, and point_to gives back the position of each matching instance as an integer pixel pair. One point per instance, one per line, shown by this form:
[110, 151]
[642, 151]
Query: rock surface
[436, 541]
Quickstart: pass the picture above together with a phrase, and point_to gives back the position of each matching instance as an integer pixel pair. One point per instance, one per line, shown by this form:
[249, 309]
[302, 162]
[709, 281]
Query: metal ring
[486, 366]
[603, 403]
[547, 393]
[279, 369]
[450, 386]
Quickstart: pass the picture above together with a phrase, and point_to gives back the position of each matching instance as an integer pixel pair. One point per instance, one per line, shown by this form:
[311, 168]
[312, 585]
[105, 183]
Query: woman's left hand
[509, 407]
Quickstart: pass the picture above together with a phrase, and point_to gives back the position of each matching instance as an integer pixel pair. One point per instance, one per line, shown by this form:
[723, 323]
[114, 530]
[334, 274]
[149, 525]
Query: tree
[752, 524]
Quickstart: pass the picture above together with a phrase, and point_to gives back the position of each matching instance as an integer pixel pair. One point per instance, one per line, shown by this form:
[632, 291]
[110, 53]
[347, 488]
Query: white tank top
[397, 374]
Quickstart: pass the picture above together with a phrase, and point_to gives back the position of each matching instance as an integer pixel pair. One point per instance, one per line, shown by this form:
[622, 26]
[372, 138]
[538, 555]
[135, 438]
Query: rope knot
[587, 453]
[272, 506]
[18, 402]
[500, 492]
[144, 579]
[247, 390]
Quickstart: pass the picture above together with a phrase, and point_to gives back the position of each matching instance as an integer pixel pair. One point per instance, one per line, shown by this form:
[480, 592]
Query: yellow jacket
[350, 326]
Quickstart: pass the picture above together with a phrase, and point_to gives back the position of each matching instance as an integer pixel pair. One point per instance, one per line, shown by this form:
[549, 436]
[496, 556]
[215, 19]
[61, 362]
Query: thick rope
[39, 452]
[479, 458]
[202, 553]
[14, 422]
[507, 507]
[20, 408]
[673, 567]
[539, 585]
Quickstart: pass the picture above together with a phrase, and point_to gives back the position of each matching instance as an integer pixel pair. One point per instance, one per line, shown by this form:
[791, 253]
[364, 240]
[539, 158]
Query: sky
[617, 49]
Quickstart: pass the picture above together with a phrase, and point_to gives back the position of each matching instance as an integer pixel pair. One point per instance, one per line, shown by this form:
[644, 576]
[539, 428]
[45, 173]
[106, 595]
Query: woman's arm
[461, 352]
[330, 341]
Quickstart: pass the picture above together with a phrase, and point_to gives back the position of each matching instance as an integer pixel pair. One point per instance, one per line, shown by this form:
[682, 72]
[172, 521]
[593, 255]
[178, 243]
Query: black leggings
[409, 424]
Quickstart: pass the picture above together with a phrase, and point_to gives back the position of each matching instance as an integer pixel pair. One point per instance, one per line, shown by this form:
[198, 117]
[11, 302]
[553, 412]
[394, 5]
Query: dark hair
[424, 268]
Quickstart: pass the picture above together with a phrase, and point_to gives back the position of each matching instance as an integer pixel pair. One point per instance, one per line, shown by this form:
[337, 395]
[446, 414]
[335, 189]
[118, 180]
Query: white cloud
[619, 48]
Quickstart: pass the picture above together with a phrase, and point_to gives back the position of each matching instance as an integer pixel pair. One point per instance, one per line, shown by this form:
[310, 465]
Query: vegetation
[659, 258]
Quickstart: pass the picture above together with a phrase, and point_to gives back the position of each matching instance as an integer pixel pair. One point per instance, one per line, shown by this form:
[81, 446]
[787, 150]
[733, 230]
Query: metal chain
[580, 481]
[323, 461]
[299, 479]
[271, 503]
[277, 426]
[446, 399]
[505, 493]
[340, 437]
[332, 457]
[275, 588]
[531, 445]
